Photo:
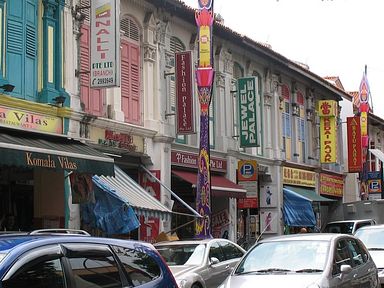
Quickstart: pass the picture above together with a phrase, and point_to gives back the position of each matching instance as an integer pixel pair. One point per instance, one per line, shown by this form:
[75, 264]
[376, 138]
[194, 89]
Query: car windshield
[293, 255]
[346, 228]
[186, 254]
[372, 238]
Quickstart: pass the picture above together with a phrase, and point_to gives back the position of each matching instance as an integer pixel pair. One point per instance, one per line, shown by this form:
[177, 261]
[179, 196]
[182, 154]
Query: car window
[362, 224]
[342, 256]
[38, 274]
[358, 254]
[139, 267]
[93, 267]
[215, 251]
[230, 251]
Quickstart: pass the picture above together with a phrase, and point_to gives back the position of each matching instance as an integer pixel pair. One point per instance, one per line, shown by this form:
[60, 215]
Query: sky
[332, 37]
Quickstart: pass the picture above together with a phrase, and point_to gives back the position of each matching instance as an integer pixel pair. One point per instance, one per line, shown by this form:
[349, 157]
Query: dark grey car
[305, 260]
[200, 263]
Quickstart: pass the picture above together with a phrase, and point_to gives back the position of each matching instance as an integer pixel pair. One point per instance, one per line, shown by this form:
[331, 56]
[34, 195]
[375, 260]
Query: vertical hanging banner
[328, 139]
[204, 76]
[247, 88]
[185, 123]
[364, 109]
[354, 144]
[105, 43]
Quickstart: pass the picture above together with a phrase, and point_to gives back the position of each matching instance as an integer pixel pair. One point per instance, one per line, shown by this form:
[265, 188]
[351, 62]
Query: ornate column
[204, 76]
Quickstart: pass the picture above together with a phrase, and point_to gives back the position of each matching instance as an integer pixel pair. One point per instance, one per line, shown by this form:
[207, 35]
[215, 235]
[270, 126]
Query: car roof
[372, 227]
[9, 242]
[349, 221]
[188, 242]
[305, 236]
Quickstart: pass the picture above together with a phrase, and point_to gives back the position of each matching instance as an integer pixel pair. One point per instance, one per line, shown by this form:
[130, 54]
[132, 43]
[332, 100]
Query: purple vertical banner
[204, 77]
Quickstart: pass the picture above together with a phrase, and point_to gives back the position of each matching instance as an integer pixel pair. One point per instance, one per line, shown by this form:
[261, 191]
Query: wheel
[195, 285]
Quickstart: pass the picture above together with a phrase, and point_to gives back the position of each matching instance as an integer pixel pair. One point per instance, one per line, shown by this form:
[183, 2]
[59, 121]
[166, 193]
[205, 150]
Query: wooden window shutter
[130, 72]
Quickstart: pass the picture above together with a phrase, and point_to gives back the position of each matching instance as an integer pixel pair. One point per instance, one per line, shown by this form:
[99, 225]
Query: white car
[373, 239]
[313, 260]
[200, 263]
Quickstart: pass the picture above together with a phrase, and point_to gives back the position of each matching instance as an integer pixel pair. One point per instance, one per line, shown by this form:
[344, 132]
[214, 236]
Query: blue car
[67, 258]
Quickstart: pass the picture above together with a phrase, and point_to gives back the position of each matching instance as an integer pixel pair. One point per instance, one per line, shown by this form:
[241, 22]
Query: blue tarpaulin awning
[297, 210]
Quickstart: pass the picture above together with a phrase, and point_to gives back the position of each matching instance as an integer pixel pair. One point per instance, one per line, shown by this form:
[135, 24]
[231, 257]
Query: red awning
[220, 185]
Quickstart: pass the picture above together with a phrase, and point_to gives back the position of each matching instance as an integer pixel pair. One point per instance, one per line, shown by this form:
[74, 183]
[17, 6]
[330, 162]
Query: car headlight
[181, 283]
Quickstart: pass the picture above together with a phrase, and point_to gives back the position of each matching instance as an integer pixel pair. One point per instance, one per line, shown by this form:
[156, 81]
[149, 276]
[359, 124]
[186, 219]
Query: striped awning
[127, 189]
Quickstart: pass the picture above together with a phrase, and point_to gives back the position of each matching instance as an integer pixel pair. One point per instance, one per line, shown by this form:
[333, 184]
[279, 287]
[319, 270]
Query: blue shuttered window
[21, 48]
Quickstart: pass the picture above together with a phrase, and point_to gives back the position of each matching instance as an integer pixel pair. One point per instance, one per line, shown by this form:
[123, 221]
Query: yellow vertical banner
[328, 140]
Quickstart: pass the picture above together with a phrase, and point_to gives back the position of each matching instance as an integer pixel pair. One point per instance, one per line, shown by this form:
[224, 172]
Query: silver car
[373, 239]
[305, 260]
[200, 263]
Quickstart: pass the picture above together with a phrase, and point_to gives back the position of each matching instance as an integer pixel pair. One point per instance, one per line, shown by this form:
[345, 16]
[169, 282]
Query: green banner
[246, 88]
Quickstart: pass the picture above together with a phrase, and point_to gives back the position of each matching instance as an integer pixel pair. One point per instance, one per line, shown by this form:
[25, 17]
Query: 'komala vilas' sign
[50, 161]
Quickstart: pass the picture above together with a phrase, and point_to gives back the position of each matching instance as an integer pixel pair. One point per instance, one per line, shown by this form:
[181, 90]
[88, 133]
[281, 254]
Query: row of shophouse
[67, 147]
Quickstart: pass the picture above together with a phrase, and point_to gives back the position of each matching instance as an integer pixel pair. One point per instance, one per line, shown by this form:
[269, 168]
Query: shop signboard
[268, 196]
[298, 177]
[27, 120]
[190, 160]
[185, 123]
[328, 113]
[105, 43]
[354, 144]
[331, 185]
[246, 89]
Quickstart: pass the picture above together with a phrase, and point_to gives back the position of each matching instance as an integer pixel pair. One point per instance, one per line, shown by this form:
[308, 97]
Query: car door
[232, 255]
[42, 267]
[341, 256]
[216, 273]
[365, 271]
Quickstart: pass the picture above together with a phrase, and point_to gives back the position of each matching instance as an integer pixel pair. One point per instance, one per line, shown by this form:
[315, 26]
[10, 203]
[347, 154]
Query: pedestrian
[303, 230]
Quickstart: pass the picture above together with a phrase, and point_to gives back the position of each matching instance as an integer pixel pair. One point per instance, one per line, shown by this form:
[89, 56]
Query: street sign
[247, 170]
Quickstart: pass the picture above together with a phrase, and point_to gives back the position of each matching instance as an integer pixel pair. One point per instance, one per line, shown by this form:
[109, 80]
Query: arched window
[301, 135]
[130, 71]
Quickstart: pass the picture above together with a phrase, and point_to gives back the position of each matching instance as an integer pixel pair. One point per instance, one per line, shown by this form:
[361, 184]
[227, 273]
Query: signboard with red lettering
[354, 144]
[331, 185]
[185, 123]
[327, 113]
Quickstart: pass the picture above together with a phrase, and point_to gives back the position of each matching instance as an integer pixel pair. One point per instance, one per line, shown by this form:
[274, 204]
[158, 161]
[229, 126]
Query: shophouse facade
[135, 123]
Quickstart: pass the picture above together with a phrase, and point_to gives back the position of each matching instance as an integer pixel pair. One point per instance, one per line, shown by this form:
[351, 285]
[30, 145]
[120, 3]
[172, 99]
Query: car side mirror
[345, 269]
[214, 260]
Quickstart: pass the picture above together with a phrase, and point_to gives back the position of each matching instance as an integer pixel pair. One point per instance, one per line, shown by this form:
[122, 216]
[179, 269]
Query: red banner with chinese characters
[331, 185]
[149, 228]
[354, 144]
[184, 93]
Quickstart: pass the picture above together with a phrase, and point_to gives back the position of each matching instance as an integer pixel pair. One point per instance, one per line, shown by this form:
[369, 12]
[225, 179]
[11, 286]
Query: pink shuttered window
[130, 71]
[92, 100]
[130, 82]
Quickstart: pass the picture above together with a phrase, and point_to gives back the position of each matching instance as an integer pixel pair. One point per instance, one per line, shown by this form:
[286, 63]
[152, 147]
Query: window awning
[308, 194]
[220, 185]
[378, 154]
[40, 150]
[143, 203]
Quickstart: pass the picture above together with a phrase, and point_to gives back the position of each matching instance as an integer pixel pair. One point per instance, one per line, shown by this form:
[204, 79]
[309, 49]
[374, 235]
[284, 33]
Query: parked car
[373, 239]
[347, 226]
[200, 263]
[67, 258]
[305, 260]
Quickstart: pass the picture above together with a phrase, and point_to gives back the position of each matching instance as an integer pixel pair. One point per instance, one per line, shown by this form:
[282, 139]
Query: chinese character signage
[331, 185]
[184, 101]
[354, 144]
[105, 43]
[247, 88]
[298, 177]
[328, 139]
